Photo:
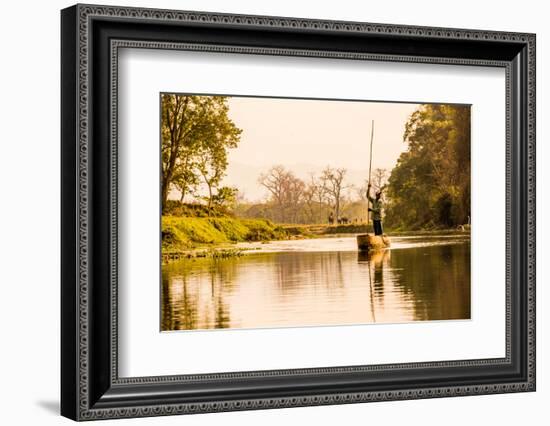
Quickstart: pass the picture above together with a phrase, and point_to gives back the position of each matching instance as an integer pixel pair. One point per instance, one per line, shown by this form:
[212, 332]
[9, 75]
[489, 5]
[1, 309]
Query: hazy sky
[307, 135]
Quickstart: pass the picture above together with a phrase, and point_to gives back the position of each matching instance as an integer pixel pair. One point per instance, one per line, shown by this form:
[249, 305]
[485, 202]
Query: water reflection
[302, 288]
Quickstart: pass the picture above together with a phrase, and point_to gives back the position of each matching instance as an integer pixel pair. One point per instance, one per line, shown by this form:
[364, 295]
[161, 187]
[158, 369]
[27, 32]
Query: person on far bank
[376, 210]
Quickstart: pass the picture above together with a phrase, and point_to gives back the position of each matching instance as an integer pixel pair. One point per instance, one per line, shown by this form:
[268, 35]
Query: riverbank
[192, 237]
[315, 230]
[181, 234]
[188, 233]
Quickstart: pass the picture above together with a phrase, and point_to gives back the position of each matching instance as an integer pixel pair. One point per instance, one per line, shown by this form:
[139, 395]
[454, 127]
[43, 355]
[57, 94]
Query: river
[321, 281]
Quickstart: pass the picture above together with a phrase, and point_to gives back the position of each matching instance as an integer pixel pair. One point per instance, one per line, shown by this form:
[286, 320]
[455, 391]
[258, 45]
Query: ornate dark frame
[91, 37]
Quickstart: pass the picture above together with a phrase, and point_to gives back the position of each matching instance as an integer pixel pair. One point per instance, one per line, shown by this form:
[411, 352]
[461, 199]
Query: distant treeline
[324, 197]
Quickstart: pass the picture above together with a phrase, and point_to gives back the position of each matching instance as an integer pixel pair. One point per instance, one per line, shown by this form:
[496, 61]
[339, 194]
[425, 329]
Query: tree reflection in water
[430, 282]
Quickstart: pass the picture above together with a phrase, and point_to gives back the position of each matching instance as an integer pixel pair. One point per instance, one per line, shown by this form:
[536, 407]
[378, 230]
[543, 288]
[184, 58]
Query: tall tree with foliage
[430, 185]
[196, 133]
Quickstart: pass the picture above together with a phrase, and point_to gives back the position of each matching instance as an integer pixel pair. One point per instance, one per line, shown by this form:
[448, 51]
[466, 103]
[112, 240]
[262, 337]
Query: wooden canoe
[368, 242]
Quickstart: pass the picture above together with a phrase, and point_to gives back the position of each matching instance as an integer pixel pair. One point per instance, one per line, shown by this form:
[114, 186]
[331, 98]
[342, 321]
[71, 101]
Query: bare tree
[318, 188]
[294, 191]
[379, 178]
[309, 198]
[334, 185]
[274, 181]
[286, 190]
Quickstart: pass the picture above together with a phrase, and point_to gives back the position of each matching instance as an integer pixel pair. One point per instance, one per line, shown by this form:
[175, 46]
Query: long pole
[370, 167]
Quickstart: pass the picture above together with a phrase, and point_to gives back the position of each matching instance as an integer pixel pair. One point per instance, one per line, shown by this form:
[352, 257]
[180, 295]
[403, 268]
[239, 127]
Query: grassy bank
[319, 230]
[187, 233]
[212, 236]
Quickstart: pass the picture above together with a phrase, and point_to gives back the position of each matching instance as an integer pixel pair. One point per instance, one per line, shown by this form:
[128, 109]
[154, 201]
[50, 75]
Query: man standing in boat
[376, 210]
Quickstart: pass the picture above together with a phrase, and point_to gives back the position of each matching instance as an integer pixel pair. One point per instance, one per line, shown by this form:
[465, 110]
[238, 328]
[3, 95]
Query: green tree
[226, 196]
[219, 134]
[186, 180]
[196, 133]
[430, 185]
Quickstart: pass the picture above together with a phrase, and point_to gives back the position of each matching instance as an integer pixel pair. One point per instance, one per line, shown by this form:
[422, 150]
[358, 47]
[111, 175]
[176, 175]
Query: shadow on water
[302, 288]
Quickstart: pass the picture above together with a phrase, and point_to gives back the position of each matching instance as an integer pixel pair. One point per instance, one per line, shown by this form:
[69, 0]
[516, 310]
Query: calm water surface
[320, 282]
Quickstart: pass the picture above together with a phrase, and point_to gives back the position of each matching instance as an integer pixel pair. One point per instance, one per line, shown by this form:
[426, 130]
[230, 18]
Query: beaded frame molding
[91, 38]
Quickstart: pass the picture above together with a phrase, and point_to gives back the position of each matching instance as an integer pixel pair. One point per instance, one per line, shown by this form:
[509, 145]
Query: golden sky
[307, 135]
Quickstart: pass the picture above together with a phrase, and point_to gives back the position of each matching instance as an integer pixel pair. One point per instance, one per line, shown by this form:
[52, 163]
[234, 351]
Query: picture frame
[90, 384]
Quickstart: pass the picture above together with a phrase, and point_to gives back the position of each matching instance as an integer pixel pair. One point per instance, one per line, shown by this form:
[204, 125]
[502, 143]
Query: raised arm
[368, 194]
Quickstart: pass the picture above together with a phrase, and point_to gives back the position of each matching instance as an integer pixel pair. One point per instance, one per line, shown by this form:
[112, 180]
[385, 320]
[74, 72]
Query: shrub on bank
[175, 208]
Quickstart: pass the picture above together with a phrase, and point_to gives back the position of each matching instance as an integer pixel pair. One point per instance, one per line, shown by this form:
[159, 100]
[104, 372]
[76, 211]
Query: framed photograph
[263, 212]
